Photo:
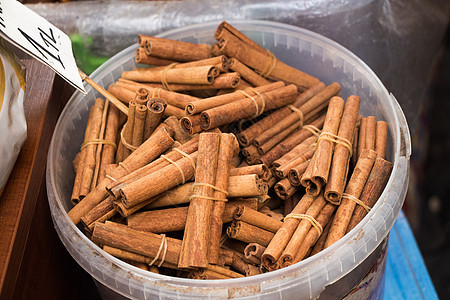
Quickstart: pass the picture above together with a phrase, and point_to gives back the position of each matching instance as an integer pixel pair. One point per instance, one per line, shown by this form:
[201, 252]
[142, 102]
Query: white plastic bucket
[332, 273]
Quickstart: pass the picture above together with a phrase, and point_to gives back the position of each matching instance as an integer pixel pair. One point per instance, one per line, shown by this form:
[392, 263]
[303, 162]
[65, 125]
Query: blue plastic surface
[406, 276]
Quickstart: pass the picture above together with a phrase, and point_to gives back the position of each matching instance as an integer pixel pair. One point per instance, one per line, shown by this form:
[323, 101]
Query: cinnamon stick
[79, 161]
[247, 107]
[342, 151]
[381, 138]
[290, 142]
[302, 230]
[284, 189]
[247, 233]
[195, 240]
[155, 111]
[147, 152]
[207, 103]
[174, 50]
[281, 238]
[189, 75]
[316, 175]
[322, 219]
[142, 58]
[247, 136]
[353, 190]
[180, 134]
[109, 148]
[378, 177]
[256, 218]
[228, 147]
[371, 123]
[91, 146]
[248, 74]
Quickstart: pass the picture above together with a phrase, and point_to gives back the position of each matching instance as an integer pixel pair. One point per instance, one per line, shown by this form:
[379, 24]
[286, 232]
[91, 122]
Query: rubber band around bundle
[124, 167]
[313, 129]
[209, 185]
[110, 177]
[208, 198]
[258, 111]
[270, 65]
[313, 221]
[176, 165]
[336, 139]
[351, 197]
[163, 76]
[298, 112]
[163, 244]
[125, 143]
[261, 96]
[186, 155]
[156, 90]
[96, 142]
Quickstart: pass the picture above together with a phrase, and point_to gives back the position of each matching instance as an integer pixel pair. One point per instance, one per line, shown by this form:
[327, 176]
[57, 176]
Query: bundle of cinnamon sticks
[229, 162]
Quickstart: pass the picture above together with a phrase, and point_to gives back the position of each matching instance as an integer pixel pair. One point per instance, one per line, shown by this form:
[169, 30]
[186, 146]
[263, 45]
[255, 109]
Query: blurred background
[405, 42]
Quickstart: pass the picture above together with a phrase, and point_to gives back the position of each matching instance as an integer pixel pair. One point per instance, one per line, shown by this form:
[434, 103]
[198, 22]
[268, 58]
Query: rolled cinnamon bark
[296, 172]
[289, 143]
[342, 151]
[79, 159]
[246, 186]
[207, 103]
[148, 151]
[180, 134]
[353, 190]
[189, 75]
[248, 107]
[239, 264]
[251, 154]
[139, 125]
[247, 136]
[299, 113]
[256, 218]
[220, 62]
[139, 242]
[142, 58]
[173, 98]
[247, 233]
[273, 141]
[249, 53]
[316, 175]
[155, 111]
[126, 134]
[371, 124]
[228, 148]
[261, 170]
[109, 148]
[378, 177]
[362, 137]
[159, 181]
[284, 189]
[89, 163]
[254, 250]
[296, 156]
[98, 211]
[381, 138]
[281, 239]
[174, 50]
[191, 124]
[323, 219]
[318, 246]
[175, 154]
[302, 230]
[248, 74]
[173, 111]
[194, 251]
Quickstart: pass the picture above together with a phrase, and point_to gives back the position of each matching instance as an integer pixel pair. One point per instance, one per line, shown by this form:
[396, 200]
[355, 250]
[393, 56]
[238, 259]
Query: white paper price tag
[36, 36]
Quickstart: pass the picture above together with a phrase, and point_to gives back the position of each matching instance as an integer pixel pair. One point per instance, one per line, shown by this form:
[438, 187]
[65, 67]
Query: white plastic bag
[13, 126]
